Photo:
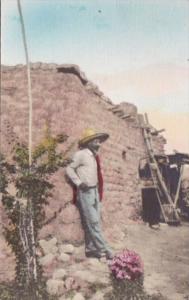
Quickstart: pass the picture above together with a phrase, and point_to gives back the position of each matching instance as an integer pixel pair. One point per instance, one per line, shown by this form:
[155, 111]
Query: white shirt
[83, 168]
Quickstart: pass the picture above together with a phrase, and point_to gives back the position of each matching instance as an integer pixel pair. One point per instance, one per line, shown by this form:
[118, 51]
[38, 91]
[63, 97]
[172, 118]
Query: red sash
[100, 182]
[100, 178]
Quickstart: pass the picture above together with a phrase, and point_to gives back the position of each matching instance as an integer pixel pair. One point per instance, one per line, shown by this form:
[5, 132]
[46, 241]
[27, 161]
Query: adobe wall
[72, 103]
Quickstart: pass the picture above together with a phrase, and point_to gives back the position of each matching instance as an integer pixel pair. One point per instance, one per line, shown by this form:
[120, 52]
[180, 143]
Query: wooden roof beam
[126, 116]
[118, 110]
[156, 132]
[114, 107]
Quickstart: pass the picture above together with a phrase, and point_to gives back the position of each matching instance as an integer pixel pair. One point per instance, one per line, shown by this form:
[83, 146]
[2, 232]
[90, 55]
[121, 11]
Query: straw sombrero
[90, 134]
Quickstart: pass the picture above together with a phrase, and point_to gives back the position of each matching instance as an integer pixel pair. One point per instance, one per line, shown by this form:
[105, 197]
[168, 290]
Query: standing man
[85, 173]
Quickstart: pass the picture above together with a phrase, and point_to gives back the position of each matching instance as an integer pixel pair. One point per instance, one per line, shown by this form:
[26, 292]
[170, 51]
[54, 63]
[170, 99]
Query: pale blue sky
[135, 50]
[100, 36]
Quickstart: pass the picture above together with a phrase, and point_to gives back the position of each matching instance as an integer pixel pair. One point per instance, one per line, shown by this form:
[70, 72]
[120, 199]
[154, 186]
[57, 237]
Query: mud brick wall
[63, 95]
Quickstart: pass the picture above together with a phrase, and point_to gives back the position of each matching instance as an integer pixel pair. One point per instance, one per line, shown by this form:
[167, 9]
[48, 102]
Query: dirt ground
[165, 254]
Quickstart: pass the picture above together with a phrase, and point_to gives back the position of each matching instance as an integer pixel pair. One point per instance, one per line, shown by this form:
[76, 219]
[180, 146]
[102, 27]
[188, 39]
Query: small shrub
[126, 277]
[25, 190]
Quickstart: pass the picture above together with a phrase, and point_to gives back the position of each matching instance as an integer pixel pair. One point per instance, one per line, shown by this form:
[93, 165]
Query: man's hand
[83, 187]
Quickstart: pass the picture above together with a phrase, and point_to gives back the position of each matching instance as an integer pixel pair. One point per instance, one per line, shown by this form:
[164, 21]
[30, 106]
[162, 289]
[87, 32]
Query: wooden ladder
[168, 210]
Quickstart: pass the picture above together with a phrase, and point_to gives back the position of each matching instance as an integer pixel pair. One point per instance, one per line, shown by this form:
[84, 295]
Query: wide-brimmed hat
[90, 134]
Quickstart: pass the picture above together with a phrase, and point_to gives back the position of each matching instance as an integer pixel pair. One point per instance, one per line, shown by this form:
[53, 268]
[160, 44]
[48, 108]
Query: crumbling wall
[63, 95]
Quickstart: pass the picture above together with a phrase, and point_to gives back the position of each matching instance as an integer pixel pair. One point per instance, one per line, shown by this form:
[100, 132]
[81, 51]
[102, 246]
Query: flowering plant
[126, 265]
[126, 277]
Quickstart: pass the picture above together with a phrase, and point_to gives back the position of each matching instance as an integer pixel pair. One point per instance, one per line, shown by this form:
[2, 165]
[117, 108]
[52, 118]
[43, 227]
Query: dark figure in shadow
[150, 203]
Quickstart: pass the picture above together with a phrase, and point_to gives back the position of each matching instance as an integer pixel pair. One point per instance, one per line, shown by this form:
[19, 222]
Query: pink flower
[126, 265]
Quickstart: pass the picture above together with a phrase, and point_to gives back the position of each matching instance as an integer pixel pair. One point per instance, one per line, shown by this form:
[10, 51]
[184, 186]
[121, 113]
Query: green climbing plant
[25, 191]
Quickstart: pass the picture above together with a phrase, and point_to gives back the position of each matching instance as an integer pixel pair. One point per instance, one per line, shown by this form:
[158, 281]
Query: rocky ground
[165, 254]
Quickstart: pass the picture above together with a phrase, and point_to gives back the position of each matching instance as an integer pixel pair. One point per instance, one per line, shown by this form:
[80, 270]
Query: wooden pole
[178, 186]
[29, 82]
[29, 203]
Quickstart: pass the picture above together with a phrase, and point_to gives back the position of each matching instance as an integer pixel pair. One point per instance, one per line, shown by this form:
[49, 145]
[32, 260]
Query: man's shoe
[93, 255]
[109, 255]
[155, 226]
